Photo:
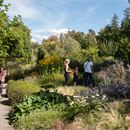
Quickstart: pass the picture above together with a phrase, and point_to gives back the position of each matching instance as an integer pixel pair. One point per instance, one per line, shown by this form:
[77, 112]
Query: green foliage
[114, 22]
[55, 79]
[19, 42]
[123, 52]
[18, 89]
[51, 64]
[108, 49]
[80, 37]
[89, 53]
[43, 99]
[3, 31]
[39, 119]
[71, 47]
[68, 47]
[84, 40]
[70, 108]
[40, 54]
[14, 38]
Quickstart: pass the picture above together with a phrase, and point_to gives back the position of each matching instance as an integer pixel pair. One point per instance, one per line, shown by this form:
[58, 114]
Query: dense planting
[45, 100]
[35, 77]
[18, 89]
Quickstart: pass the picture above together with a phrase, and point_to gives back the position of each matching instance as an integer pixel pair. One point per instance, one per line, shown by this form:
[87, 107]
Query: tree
[15, 39]
[69, 48]
[108, 49]
[91, 38]
[3, 32]
[123, 52]
[109, 38]
[114, 22]
[41, 54]
[124, 48]
[79, 37]
[125, 25]
[18, 41]
[85, 40]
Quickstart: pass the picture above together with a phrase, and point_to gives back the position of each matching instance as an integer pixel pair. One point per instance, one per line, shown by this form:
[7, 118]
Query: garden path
[4, 110]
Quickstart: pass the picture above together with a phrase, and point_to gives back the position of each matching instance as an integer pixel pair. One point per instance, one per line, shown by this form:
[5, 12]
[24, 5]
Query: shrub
[43, 99]
[18, 89]
[112, 117]
[113, 120]
[113, 75]
[69, 107]
[55, 78]
[15, 73]
[39, 119]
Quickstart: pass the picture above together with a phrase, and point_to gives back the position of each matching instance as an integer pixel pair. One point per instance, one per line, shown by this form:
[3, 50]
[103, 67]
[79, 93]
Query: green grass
[39, 119]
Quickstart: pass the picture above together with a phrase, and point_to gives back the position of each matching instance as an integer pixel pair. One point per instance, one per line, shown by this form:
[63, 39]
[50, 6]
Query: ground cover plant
[67, 106]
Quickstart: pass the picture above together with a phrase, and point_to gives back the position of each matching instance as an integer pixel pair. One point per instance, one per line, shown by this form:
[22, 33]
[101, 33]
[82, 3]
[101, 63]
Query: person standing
[67, 71]
[1, 79]
[88, 70]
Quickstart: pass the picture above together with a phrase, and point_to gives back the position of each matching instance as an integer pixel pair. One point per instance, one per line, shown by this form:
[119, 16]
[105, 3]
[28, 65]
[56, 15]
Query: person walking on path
[1, 79]
[88, 70]
[67, 71]
[3, 75]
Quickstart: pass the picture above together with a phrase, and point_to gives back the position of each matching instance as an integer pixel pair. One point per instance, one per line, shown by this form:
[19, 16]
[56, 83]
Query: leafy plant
[43, 99]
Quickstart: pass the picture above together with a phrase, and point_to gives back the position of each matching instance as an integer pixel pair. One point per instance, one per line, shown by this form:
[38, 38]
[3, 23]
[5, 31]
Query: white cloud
[38, 37]
[40, 14]
[47, 16]
[23, 8]
[58, 31]
[40, 34]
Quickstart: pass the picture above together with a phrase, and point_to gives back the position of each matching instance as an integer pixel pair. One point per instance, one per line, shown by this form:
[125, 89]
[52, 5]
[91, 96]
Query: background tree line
[113, 40]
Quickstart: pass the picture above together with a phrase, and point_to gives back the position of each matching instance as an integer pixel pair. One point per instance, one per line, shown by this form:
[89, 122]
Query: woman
[66, 71]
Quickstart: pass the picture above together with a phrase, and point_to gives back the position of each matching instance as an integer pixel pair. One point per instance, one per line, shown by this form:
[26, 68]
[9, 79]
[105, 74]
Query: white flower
[93, 96]
[97, 95]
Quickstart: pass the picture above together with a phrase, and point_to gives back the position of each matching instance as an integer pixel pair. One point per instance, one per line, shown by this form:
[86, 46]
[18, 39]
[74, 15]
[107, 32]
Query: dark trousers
[87, 79]
[66, 75]
[75, 80]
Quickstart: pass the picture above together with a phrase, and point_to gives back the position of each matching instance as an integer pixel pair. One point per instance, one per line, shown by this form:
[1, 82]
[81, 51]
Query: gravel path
[4, 110]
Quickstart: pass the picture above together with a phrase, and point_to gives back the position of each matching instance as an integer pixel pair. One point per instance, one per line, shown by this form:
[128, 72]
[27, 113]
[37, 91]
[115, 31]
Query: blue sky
[52, 17]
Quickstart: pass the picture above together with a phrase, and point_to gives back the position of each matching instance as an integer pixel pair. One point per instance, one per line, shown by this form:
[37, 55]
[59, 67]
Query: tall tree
[109, 38]
[18, 40]
[79, 37]
[124, 49]
[125, 25]
[114, 22]
[115, 31]
[3, 31]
